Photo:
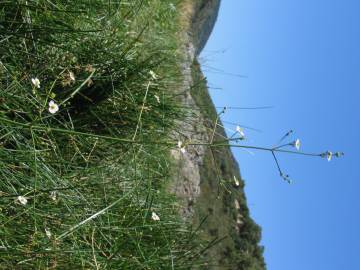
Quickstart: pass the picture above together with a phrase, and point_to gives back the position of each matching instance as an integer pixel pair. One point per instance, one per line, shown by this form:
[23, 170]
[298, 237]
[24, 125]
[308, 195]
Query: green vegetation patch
[86, 106]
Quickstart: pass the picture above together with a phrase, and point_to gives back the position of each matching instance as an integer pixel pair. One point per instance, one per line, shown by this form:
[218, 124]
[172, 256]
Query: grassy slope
[90, 190]
[93, 173]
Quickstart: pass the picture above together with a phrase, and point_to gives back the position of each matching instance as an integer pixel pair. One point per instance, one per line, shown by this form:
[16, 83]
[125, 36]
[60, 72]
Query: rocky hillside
[208, 178]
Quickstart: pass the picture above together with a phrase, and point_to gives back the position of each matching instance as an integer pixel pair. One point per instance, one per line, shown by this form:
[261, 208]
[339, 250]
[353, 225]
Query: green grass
[91, 173]
[95, 171]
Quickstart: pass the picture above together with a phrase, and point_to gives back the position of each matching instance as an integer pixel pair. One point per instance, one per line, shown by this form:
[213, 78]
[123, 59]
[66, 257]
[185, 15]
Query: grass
[89, 173]
[79, 187]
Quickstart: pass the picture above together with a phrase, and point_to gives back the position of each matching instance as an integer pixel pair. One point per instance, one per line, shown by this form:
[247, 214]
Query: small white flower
[22, 200]
[236, 181]
[297, 144]
[155, 217]
[53, 195]
[36, 82]
[48, 232]
[237, 204]
[329, 155]
[157, 98]
[53, 107]
[181, 147]
[153, 75]
[241, 132]
[72, 76]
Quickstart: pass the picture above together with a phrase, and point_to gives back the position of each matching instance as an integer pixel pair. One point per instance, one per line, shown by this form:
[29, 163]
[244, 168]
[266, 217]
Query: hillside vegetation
[87, 121]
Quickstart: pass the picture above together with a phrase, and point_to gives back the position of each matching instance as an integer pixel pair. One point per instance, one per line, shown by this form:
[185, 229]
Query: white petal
[329, 155]
[237, 183]
[53, 195]
[35, 82]
[53, 107]
[48, 233]
[153, 75]
[157, 98]
[72, 76]
[22, 200]
[241, 132]
[155, 217]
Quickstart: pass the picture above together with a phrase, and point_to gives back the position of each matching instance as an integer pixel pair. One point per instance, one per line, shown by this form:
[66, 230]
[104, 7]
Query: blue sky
[303, 58]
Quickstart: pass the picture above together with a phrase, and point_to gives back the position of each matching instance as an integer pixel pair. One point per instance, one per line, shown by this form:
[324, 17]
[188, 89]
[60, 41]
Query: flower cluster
[155, 217]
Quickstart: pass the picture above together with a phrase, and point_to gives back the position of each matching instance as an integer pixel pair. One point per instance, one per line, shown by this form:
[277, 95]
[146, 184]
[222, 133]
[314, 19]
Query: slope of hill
[216, 201]
[103, 110]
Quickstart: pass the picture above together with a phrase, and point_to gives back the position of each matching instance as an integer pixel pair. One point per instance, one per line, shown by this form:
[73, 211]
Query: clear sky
[303, 58]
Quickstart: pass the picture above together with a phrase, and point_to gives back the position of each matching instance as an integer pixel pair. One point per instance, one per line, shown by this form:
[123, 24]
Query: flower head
[237, 204]
[53, 107]
[181, 147]
[48, 232]
[22, 200]
[53, 195]
[241, 132]
[154, 216]
[72, 76]
[236, 181]
[296, 144]
[329, 155]
[153, 75]
[35, 82]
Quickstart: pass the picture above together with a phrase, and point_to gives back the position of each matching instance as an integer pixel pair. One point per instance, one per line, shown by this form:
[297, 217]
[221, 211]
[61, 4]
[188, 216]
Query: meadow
[87, 115]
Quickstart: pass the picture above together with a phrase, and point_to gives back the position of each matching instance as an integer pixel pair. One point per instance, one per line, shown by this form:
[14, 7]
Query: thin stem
[141, 111]
[78, 89]
[281, 146]
[168, 143]
[277, 163]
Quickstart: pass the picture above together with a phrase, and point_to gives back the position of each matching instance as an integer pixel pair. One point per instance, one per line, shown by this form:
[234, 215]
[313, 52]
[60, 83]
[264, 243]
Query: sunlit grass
[83, 90]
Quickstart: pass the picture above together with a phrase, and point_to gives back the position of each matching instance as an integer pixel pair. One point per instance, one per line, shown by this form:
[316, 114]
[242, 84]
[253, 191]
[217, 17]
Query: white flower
[181, 147]
[297, 144]
[329, 155]
[72, 76]
[155, 217]
[153, 75]
[36, 82]
[237, 183]
[237, 204]
[53, 195]
[48, 233]
[22, 200]
[157, 98]
[53, 107]
[241, 132]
